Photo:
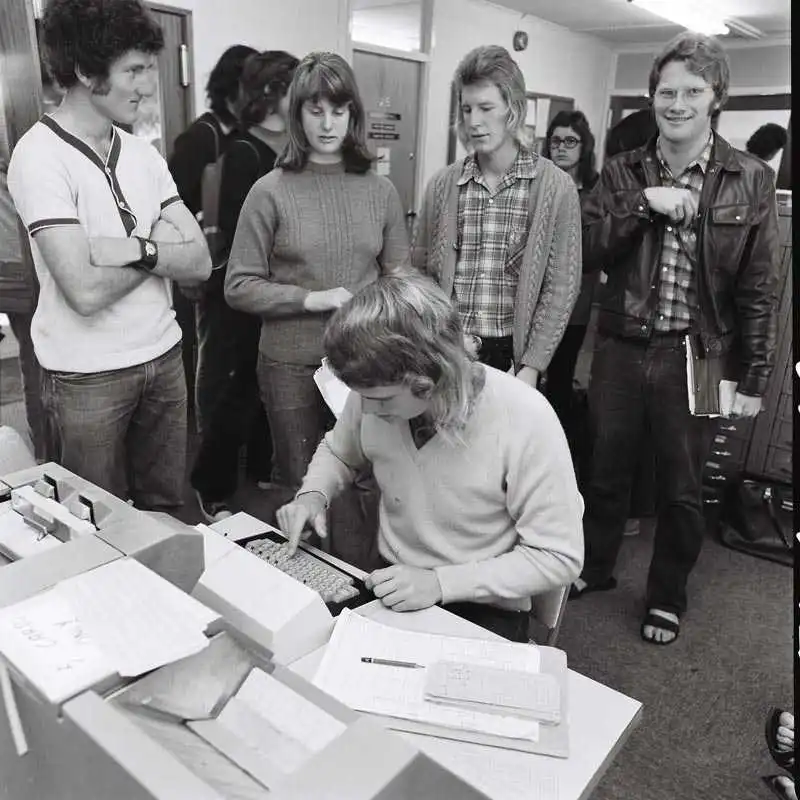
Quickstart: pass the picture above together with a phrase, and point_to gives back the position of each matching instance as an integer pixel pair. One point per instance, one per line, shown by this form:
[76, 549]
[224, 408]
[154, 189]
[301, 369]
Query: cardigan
[550, 273]
[497, 514]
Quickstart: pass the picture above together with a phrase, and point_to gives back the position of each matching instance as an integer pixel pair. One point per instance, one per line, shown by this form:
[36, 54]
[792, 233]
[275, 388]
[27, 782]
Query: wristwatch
[149, 256]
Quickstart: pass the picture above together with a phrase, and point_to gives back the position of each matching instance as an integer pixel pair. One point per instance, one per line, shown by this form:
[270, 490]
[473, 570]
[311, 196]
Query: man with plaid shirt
[686, 229]
[500, 230]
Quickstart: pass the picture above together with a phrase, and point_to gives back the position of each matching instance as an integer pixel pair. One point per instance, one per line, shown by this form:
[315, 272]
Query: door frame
[188, 99]
[423, 58]
[424, 61]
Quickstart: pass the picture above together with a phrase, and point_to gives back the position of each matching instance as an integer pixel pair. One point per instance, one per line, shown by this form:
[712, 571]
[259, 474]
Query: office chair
[547, 609]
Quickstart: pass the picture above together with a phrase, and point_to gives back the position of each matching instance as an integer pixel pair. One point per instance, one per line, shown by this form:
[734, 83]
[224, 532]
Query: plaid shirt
[677, 291]
[492, 234]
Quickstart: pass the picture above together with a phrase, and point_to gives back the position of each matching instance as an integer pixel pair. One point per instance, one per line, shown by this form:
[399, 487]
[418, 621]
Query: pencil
[388, 662]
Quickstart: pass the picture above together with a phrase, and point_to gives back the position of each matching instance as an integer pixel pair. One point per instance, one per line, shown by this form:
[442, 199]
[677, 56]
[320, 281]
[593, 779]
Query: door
[169, 111]
[389, 89]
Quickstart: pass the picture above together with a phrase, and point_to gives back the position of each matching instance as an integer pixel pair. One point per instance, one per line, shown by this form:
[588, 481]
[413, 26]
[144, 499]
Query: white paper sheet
[400, 692]
[333, 391]
[44, 639]
[139, 620]
[289, 712]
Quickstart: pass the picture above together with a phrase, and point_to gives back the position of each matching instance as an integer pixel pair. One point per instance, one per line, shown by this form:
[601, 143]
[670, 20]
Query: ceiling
[621, 22]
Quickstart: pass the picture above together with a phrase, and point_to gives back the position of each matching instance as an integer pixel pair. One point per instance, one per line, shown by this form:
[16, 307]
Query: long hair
[90, 35]
[404, 330]
[326, 76]
[703, 56]
[587, 174]
[493, 64]
[265, 80]
[222, 89]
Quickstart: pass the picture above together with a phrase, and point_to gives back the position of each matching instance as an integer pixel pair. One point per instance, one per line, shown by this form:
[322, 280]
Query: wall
[762, 68]
[556, 61]
[299, 27]
[397, 26]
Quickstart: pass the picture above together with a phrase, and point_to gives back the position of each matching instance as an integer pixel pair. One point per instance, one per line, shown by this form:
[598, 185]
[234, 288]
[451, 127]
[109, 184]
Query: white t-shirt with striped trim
[56, 179]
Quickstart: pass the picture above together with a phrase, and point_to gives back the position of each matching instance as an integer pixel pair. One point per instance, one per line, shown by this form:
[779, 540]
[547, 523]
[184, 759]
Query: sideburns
[101, 87]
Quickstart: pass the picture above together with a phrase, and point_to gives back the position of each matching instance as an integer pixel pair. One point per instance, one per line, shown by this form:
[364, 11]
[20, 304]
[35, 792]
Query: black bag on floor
[758, 519]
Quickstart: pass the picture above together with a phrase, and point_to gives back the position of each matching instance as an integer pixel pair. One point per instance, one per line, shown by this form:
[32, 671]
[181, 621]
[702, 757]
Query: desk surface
[601, 719]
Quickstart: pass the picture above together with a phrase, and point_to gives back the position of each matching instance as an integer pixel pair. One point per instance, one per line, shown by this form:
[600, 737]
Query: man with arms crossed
[108, 232]
[686, 229]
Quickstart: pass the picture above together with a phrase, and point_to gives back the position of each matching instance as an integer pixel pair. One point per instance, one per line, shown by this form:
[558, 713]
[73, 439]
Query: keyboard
[334, 586]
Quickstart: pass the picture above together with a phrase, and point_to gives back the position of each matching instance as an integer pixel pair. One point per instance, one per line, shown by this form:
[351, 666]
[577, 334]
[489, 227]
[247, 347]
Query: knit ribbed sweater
[306, 231]
[497, 515]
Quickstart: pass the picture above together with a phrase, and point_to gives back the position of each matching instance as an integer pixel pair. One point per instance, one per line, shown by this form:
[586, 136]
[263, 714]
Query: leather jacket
[737, 256]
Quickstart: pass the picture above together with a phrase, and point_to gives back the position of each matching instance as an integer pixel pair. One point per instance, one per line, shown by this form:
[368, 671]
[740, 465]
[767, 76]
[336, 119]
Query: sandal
[606, 585]
[774, 785]
[783, 758]
[657, 621]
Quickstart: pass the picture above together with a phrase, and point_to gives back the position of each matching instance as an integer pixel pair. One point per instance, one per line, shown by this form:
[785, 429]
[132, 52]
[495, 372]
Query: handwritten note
[45, 641]
[138, 619]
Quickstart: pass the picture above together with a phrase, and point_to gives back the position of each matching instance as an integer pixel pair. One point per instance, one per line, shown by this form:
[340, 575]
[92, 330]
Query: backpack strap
[216, 137]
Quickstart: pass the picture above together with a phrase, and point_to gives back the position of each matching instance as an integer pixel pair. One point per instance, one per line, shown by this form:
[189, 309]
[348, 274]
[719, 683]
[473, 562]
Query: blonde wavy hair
[493, 64]
[404, 330]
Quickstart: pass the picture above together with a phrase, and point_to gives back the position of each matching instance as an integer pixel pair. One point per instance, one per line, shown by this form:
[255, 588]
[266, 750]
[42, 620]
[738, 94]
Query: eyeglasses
[670, 95]
[569, 142]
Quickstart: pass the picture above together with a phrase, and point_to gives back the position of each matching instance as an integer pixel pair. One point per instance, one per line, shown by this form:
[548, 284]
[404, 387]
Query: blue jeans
[638, 393]
[125, 429]
[297, 414]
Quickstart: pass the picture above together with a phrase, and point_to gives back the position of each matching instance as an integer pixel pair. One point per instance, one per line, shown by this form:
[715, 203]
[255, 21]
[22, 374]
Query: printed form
[400, 691]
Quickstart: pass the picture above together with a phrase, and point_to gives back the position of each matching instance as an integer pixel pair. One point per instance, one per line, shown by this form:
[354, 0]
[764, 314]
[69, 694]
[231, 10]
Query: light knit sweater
[309, 231]
[497, 516]
[550, 273]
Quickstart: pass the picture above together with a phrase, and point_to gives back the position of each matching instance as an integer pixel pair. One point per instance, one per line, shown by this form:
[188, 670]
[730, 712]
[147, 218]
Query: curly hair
[404, 330]
[767, 141]
[265, 80]
[493, 64]
[90, 35]
[329, 76]
[222, 88]
[587, 174]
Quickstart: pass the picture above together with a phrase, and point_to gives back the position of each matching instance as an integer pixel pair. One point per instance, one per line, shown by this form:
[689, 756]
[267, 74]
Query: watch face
[149, 249]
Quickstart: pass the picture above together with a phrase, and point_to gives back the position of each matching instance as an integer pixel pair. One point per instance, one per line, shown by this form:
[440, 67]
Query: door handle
[183, 59]
[411, 214]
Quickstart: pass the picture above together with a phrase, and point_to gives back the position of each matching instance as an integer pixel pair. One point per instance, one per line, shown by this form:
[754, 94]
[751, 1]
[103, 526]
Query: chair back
[548, 610]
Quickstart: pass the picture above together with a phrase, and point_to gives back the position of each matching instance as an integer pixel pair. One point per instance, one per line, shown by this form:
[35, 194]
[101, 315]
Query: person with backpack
[199, 147]
[238, 416]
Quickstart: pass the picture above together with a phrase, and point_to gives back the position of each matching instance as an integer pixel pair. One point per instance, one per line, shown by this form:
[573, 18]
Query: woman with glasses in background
[569, 144]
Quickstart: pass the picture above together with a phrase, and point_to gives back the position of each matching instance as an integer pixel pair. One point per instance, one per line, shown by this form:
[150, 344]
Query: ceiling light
[696, 15]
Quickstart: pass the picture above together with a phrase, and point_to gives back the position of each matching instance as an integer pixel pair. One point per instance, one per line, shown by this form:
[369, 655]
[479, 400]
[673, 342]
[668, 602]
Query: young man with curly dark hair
[108, 233]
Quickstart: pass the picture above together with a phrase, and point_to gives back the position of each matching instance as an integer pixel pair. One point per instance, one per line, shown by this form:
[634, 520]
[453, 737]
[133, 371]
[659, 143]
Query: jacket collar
[722, 154]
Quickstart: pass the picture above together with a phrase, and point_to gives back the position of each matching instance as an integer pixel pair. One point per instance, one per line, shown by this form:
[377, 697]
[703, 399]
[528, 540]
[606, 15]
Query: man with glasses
[686, 229]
